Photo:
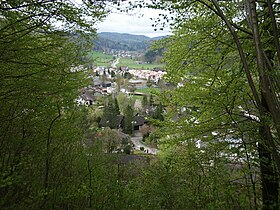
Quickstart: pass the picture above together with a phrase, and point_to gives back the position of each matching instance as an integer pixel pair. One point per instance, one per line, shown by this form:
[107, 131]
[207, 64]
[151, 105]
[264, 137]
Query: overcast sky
[133, 24]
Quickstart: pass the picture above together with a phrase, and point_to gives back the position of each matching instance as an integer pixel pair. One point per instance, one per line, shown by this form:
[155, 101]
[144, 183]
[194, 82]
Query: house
[139, 121]
[112, 121]
[97, 82]
[106, 84]
[138, 83]
[86, 98]
[118, 121]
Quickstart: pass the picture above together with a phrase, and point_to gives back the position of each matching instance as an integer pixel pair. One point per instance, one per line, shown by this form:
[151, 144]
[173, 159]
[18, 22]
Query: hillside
[122, 41]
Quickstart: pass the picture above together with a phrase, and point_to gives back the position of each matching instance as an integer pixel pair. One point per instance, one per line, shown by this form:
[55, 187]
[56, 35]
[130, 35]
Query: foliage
[123, 101]
[109, 41]
[111, 114]
[137, 65]
[128, 120]
[153, 55]
[184, 178]
[211, 155]
[110, 139]
[218, 61]
[100, 59]
[158, 112]
[40, 77]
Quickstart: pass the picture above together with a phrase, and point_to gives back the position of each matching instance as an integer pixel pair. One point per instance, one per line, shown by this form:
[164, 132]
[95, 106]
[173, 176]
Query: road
[136, 140]
[115, 62]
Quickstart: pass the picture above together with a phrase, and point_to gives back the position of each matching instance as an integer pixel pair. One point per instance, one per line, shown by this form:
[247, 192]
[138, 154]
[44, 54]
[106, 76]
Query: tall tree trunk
[267, 147]
[269, 178]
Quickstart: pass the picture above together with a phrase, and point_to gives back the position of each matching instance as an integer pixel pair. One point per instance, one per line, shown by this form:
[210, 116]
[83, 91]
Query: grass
[100, 59]
[132, 64]
[137, 97]
[139, 152]
[148, 90]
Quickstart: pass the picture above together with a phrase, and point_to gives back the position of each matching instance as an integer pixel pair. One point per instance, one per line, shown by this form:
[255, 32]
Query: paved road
[115, 62]
[137, 143]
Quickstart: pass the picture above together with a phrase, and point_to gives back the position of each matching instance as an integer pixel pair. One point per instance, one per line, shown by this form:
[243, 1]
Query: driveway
[136, 140]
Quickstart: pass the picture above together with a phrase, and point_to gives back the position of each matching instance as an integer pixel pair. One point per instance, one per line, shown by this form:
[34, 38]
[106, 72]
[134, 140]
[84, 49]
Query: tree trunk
[269, 178]
[267, 147]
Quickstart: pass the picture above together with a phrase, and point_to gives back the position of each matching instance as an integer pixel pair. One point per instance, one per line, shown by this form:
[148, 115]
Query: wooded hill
[123, 41]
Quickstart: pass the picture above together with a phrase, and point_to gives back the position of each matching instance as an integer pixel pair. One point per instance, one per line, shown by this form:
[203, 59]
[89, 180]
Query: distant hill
[123, 41]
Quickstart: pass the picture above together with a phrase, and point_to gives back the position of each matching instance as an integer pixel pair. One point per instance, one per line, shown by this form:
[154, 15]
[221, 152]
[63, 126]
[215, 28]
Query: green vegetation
[217, 127]
[121, 41]
[148, 90]
[132, 64]
[228, 78]
[100, 59]
[42, 129]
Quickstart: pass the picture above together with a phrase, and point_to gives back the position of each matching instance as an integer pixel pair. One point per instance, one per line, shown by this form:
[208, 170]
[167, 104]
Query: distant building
[86, 98]
[139, 121]
[112, 121]
[140, 83]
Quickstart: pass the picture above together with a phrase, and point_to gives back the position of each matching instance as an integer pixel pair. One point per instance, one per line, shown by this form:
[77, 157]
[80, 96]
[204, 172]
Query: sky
[138, 22]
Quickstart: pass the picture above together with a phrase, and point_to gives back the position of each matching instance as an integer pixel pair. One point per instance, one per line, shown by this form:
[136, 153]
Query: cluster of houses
[102, 84]
[152, 75]
[123, 53]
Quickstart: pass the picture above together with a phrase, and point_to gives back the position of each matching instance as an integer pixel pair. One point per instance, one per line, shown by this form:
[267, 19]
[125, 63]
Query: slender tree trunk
[90, 183]
[48, 157]
[267, 147]
[266, 84]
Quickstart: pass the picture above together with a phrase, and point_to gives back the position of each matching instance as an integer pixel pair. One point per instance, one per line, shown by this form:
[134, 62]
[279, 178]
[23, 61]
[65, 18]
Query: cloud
[137, 23]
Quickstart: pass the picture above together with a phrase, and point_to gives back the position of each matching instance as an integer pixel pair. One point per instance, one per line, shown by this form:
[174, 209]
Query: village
[127, 87]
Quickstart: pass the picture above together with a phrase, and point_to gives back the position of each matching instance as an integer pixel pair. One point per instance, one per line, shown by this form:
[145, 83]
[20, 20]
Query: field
[100, 59]
[148, 90]
[132, 64]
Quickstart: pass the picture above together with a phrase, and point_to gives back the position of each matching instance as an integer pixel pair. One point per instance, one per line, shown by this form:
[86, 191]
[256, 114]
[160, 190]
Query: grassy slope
[148, 90]
[100, 59]
[132, 64]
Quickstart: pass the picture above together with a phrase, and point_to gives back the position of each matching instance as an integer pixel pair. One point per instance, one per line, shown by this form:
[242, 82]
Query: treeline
[118, 41]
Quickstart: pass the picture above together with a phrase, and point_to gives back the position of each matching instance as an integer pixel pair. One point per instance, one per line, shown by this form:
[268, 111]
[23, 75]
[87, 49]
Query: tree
[116, 106]
[128, 120]
[110, 139]
[118, 81]
[152, 55]
[40, 77]
[113, 74]
[158, 112]
[249, 33]
[145, 103]
[181, 178]
[127, 75]
[123, 101]
[111, 114]
[152, 102]
[149, 83]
